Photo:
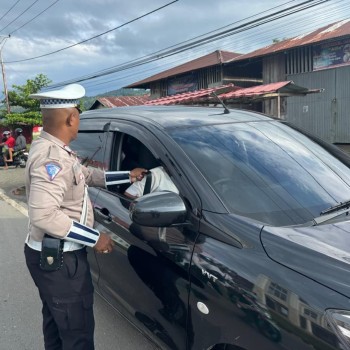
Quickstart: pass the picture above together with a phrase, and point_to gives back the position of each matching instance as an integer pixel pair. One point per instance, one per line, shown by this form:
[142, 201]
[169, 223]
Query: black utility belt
[51, 255]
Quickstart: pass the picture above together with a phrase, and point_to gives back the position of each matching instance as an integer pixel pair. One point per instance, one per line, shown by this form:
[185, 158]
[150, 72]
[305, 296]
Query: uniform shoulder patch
[54, 152]
[52, 170]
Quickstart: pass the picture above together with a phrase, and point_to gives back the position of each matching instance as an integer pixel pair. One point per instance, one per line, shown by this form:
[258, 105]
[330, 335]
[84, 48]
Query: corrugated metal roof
[235, 92]
[212, 59]
[122, 101]
[188, 97]
[258, 90]
[331, 31]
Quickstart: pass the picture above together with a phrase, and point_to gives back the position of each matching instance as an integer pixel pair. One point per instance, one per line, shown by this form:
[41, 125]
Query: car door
[89, 146]
[146, 277]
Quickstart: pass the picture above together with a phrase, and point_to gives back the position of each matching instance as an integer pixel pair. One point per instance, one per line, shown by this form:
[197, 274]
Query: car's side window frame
[156, 147]
[96, 157]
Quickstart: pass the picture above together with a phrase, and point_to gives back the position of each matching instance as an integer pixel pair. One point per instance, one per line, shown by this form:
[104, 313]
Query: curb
[20, 206]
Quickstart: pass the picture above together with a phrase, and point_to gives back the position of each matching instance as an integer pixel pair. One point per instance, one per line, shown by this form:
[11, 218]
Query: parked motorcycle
[19, 159]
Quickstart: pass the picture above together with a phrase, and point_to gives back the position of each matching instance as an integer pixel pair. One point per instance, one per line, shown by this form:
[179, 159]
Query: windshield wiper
[341, 205]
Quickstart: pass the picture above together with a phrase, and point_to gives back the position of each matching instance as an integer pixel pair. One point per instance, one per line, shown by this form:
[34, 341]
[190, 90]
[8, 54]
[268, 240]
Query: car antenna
[226, 110]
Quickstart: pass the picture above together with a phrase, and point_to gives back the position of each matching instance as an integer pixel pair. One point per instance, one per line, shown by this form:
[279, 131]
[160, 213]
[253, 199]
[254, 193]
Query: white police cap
[63, 98]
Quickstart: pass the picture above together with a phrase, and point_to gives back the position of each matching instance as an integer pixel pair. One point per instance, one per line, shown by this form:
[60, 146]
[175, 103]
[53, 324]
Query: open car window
[89, 147]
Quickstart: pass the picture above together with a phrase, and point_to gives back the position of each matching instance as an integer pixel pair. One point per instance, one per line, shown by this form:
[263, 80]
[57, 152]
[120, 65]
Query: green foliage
[19, 98]
[26, 118]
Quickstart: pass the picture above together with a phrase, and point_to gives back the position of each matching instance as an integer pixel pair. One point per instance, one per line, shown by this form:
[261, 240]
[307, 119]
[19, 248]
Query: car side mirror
[158, 209]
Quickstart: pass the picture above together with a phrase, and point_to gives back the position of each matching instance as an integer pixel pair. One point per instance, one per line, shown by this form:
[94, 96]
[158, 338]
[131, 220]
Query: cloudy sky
[53, 29]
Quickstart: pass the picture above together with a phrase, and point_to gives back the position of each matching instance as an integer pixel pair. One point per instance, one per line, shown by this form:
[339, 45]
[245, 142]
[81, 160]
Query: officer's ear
[71, 118]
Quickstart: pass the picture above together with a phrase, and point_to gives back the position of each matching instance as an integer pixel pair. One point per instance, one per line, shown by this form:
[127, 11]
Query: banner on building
[336, 53]
[182, 84]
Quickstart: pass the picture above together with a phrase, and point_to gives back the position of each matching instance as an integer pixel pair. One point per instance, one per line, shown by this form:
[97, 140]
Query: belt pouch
[51, 256]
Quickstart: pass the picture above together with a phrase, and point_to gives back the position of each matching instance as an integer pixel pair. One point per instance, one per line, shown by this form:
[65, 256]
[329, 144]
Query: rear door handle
[104, 213]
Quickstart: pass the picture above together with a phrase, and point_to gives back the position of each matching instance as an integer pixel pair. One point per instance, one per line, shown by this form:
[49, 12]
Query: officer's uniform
[56, 188]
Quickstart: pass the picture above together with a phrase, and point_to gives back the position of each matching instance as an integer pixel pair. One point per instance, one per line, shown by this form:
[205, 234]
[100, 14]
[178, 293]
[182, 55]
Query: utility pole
[2, 43]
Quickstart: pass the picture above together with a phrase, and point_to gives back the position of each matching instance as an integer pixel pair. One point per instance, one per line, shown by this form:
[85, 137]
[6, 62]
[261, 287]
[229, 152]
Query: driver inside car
[159, 181]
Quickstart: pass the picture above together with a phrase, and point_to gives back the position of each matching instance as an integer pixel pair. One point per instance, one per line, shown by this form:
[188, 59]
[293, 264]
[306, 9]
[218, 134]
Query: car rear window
[267, 170]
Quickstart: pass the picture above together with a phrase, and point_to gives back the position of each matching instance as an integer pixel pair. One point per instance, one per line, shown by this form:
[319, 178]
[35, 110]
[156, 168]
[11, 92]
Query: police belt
[67, 247]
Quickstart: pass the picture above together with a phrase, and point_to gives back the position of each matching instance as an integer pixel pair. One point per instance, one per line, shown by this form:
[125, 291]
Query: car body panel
[253, 301]
[319, 252]
[219, 277]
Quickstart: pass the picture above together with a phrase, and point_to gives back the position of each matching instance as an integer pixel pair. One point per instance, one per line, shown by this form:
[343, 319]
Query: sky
[43, 27]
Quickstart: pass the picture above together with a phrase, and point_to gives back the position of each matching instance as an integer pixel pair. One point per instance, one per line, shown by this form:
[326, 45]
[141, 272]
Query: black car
[254, 251]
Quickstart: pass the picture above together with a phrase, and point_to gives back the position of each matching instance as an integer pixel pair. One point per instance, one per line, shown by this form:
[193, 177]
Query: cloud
[69, 22]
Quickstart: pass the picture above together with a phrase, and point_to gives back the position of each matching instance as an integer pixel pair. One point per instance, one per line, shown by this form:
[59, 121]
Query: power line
[318, 13]
[10, 9]
[30, 6]
[96, 36]
[169, 52]
[34, 17]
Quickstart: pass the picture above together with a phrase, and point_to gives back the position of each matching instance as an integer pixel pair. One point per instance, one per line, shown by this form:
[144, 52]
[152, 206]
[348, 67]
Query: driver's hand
[137, 174]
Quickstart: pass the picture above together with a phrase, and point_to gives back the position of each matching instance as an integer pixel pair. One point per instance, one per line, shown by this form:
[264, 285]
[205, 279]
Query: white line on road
[13, 203]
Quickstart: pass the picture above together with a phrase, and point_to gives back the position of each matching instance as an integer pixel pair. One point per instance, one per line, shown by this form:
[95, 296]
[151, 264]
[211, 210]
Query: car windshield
[266, 170]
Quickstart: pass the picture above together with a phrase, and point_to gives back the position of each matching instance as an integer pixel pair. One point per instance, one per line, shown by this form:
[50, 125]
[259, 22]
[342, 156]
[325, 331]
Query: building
[317, 61]
[119, 101]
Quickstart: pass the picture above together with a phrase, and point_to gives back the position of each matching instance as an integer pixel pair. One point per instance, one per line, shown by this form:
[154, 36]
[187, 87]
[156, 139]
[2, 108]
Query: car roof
[177, 116]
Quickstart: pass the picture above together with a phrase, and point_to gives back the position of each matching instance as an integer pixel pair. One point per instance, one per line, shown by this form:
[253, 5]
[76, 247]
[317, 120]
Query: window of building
[310, 314]
[278, 291]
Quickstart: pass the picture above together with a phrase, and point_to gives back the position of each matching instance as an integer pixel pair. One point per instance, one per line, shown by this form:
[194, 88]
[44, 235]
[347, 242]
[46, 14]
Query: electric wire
[200, 36]
[236, 48]
[30, 6]
[328, 15]
[182, 48]
[96, 36]
[200, 49]
[9, 9]
[34, 17]
[93, 83]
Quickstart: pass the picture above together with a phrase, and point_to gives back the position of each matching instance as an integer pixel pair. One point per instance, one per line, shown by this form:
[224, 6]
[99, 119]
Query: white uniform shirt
[160, 182]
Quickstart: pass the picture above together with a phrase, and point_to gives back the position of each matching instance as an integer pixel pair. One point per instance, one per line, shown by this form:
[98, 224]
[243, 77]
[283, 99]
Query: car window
[129, 153]
[89, 148]
[267, 170]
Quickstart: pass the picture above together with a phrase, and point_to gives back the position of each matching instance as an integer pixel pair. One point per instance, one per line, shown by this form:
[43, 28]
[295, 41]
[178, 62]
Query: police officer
[59, 207]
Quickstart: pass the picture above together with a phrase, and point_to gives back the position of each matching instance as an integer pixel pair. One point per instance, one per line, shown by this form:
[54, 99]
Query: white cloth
[160, 182]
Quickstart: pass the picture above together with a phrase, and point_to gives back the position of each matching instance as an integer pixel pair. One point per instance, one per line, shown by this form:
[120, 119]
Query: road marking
[13, 203]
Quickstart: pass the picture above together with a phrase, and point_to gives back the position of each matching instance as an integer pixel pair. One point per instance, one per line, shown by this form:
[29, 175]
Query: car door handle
[104, 213]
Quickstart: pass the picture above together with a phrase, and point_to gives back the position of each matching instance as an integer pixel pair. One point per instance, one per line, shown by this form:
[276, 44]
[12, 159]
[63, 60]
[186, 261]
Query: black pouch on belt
[51, 257]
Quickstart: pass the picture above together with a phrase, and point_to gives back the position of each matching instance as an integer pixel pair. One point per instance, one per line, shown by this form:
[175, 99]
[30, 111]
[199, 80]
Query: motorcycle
[19, 159]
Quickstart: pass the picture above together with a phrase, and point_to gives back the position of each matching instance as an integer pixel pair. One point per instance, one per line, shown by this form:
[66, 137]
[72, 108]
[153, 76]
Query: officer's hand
[104, 244]
[137, 174]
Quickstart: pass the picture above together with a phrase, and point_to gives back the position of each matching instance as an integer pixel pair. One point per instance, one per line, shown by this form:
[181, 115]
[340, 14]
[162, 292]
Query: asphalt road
[20, 309]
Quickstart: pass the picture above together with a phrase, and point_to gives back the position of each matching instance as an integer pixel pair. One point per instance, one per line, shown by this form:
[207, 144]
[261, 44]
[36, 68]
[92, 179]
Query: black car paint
[225, 261]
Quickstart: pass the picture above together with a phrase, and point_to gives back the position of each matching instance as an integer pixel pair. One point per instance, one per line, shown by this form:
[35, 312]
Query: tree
[30, 108]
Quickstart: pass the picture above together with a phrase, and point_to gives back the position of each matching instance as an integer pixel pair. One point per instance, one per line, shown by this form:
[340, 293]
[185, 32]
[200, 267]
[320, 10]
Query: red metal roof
[235, 92]
[122, 101]
[188, 97]
[212, 59]
[282, 87]
[257, 90]
[331, 31]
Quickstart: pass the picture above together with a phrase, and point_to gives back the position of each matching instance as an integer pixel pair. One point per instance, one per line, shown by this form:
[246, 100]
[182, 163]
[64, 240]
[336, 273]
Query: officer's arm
[98, 178]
